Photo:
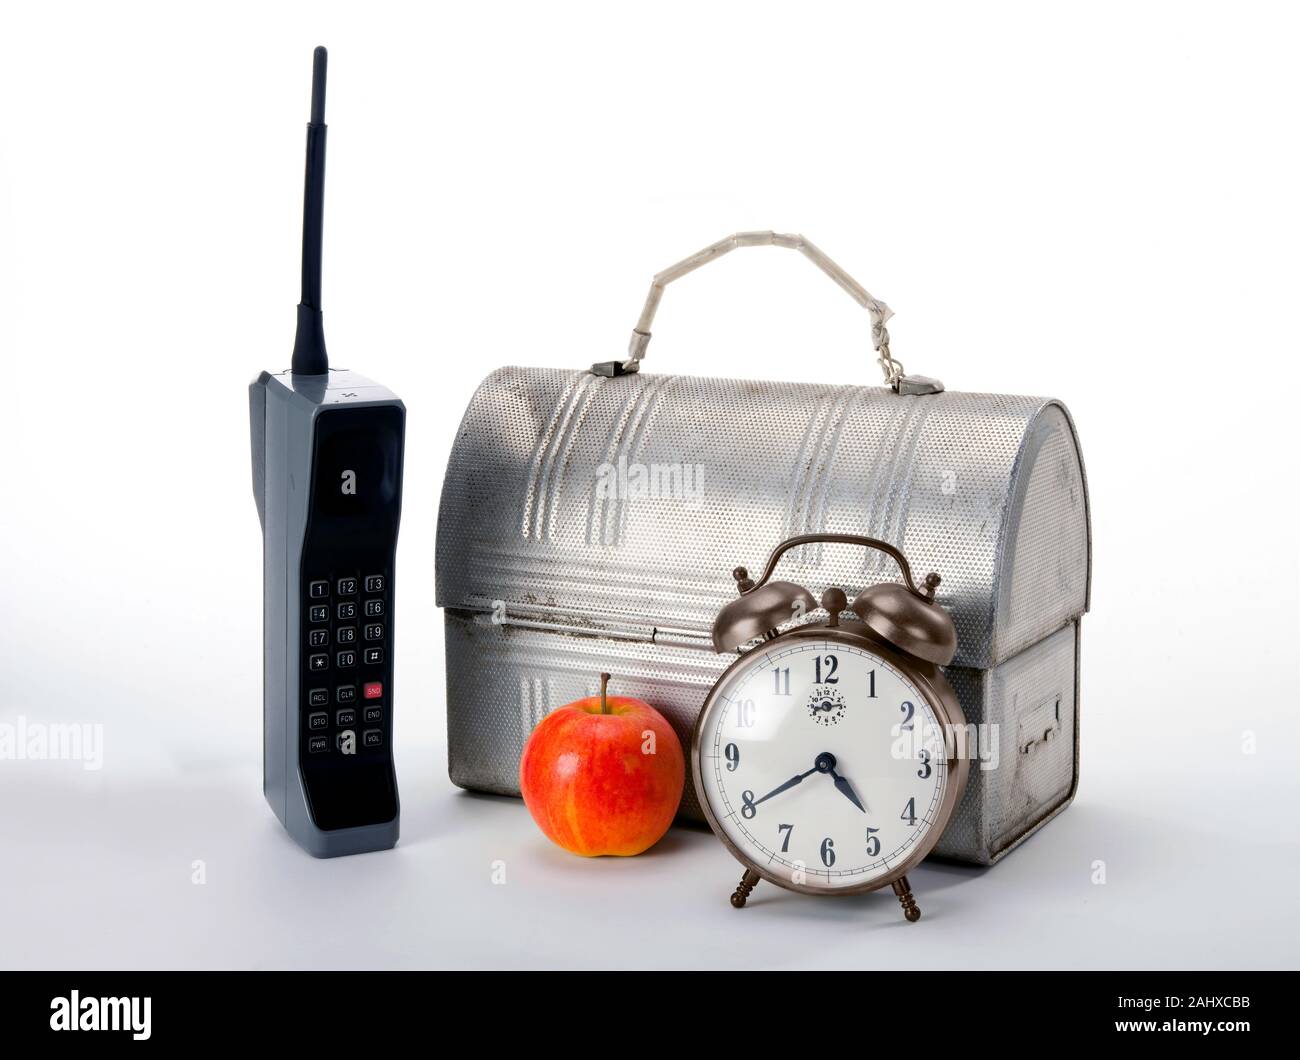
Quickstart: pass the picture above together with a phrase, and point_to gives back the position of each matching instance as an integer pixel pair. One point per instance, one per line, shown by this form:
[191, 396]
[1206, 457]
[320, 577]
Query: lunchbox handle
[879, 312]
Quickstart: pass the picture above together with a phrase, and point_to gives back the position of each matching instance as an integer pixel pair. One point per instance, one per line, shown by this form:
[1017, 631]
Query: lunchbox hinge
[587, 624]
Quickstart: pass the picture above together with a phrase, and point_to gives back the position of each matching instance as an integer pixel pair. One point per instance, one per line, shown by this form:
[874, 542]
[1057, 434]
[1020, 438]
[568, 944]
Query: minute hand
[786, 786]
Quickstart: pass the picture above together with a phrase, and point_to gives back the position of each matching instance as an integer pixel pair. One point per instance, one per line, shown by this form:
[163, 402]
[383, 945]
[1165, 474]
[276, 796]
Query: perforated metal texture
[523, 520]
[1045, 542]
[986, 489]
[1004, 804]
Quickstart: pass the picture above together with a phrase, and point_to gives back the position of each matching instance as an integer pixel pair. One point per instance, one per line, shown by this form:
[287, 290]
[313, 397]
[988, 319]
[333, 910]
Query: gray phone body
[303, 427]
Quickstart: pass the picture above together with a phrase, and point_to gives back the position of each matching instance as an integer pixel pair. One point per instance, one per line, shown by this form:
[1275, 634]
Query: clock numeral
[871, 685]
[925, 770]
[909, 811]
[873, 842]
[828, 852]
[832, 664]
[781, 682]
[788, 829]
[732, 754]
[908, 710]
[747, 807]
[745, 711]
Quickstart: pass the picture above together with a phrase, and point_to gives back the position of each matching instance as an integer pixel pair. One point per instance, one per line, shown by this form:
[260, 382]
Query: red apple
[603, 775]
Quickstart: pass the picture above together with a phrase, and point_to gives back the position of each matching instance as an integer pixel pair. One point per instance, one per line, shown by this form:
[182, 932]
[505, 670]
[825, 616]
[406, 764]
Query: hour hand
[785, 787]
[843, 786]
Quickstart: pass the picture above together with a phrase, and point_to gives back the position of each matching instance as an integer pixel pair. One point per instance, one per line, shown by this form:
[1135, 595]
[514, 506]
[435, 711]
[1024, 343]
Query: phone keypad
[353, 654]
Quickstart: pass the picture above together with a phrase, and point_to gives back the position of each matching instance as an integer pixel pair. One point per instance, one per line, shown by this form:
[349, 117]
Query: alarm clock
[829, 758]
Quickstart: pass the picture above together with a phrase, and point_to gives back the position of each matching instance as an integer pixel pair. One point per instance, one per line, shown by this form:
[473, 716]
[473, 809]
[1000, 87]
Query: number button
[346, 611]
[319, 638]
[346, 659]
[345, 694]
[346, 634]
[374, 656]
[374, 608]
[318, 613]
[318, 662]
[319, 590]
[318, 697]
[375, 631]
[347, 587]
[374, 583]
[319, 720]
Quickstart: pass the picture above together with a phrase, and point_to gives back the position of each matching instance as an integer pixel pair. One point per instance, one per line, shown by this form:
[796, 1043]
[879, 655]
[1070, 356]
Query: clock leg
[741, 894]
[904, 891]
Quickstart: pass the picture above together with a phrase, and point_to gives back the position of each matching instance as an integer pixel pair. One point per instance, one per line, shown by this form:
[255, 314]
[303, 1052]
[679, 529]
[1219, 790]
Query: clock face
[822, 763]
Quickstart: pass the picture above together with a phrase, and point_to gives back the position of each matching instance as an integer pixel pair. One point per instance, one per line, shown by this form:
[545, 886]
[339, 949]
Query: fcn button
[373, 689]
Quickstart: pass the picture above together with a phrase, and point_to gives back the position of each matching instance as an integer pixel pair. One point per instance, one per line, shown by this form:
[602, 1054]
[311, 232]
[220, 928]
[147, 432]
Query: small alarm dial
[822, 763]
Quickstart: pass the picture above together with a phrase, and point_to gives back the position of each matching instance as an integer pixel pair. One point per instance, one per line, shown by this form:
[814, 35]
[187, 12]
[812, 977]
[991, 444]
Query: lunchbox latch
[1040, 725]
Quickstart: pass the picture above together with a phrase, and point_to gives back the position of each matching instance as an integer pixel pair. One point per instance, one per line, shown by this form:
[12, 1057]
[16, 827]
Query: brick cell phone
[327, 475]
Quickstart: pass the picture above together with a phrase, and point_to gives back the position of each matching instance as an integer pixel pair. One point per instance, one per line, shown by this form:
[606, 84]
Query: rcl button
[373, 689]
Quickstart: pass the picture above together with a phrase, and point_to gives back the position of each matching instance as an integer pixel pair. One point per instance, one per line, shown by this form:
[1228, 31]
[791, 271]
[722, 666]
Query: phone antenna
[309, 356]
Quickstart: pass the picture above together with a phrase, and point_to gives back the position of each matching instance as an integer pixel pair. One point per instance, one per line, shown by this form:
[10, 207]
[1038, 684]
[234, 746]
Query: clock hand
[846, 789]
[786, 786]
[826, 764]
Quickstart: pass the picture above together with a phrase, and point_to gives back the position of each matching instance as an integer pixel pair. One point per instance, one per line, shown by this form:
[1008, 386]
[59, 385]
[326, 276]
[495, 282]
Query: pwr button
[373, 689]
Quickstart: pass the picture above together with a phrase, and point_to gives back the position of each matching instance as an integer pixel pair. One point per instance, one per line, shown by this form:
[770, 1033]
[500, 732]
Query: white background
[1094, 201]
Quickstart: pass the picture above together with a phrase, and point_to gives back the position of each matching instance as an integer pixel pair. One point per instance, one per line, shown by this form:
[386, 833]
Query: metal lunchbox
[591, 520]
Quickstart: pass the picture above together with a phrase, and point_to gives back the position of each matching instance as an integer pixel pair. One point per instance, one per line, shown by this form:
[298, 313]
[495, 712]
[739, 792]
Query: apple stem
[604, 704]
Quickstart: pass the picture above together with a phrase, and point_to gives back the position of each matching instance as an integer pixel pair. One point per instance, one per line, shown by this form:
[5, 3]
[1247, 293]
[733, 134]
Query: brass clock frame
[929, 681]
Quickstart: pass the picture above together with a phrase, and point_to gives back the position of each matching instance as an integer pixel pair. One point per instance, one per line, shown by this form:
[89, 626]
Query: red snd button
[372, 689]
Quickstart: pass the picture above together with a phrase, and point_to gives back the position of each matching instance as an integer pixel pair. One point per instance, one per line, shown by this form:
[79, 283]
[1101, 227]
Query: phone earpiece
[909, 619]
